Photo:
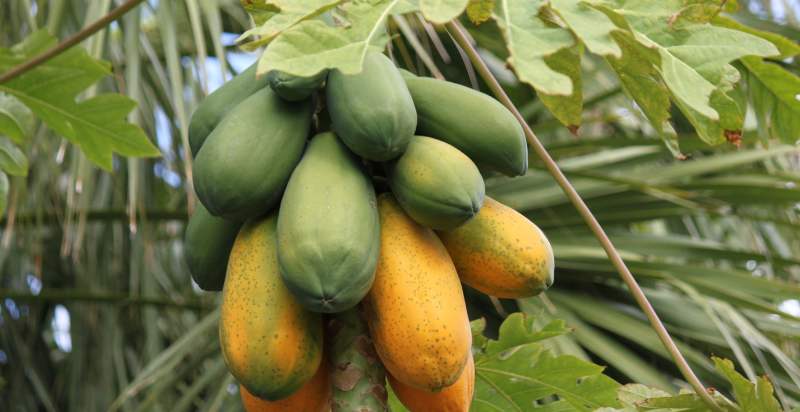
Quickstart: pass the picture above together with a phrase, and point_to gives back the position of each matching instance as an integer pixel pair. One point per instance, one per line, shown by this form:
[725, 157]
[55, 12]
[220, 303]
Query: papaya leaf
[751, 396]
[516, 373]
[311, 46]
[12, 160]
[786, 47]
[97, 125]
[479, 11]
[260, 10]
[442, 11]
[774, 95]
[691, 57]
[16, 120]
[287, 13]
[590, 25]
[529, 40]
[567, 109]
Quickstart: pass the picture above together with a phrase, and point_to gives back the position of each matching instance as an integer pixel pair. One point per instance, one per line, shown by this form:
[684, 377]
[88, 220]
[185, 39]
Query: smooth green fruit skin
[208, 241]
[214, 107]
[372, 111]
[328, 228]
[436, 184]
[471, 121]
[295, 88]
[244, 165]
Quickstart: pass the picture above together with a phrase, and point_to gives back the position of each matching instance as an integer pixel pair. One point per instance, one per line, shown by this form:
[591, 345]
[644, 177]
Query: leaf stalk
[458, 32]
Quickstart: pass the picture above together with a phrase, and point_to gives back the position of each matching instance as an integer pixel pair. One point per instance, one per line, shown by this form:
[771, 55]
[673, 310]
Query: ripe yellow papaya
[454, 398]
[314, 396]
[415, 310]
[271, 344]
[501, 253]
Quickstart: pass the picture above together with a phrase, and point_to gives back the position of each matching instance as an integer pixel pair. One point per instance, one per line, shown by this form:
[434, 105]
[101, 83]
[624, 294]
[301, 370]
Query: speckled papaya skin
[436, 184]
[415, 310]
[271, 344]
[454, 398]
[501, 253]
[313, 396]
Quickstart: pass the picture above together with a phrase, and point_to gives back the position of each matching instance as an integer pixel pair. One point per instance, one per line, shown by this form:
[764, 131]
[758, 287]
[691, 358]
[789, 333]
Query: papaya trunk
[359, 380]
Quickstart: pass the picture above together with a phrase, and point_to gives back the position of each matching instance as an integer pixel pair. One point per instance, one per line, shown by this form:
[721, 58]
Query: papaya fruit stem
[459, 34]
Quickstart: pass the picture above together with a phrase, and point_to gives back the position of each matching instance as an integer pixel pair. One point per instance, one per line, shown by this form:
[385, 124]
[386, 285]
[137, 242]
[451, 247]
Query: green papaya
[295, 88]
[328, 230]
[214, 107]
[271, 345]
[473, 122]
[436, 184]
[208, 241]
[372, 111]
[242, 169]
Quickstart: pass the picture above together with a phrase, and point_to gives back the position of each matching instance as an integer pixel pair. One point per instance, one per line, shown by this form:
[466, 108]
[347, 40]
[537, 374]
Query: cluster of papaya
[329, 289]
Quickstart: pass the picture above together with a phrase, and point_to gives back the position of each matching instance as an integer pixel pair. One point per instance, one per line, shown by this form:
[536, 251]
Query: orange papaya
[501, 253]
[271, 344]
[415, 309]
[454, 398]
[314, 396]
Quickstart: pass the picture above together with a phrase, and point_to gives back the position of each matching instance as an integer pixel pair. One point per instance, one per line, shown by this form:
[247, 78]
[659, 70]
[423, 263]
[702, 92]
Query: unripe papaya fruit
[208, 241]
[242, 169]
[313, 396]
[328, 231]
[471, 121]
[415, 310]
[501, 253]
[271, 344]
[454, 398]
[295, 88]
[372, 111]
[436, 184]
[214, 107]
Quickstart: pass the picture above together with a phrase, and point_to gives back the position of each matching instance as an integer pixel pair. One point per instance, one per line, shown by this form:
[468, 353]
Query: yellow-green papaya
[271, 344]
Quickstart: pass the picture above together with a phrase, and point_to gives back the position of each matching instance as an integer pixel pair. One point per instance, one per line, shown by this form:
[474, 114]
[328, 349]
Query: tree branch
[69, 42]
[457, 30]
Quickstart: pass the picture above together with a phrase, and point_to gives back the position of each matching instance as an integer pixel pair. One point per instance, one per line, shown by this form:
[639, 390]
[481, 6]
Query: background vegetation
[98, 308]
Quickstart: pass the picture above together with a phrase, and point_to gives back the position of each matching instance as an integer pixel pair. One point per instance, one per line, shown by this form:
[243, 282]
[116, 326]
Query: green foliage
[97, 125]
[675, 52]
[515, 372]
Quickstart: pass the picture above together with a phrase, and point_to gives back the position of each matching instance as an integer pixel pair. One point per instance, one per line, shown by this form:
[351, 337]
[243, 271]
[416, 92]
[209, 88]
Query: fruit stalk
[359, 380]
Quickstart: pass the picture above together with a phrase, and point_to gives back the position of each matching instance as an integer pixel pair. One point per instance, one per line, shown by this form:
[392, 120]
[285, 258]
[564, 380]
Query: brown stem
[457, 30]
[69, 42]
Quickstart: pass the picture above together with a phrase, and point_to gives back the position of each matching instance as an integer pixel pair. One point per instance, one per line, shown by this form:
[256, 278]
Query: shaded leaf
[442, 11]
[479, 11]
[751, 397]
[285, 14]
[16, 120]
[786, 47]
[97, 125]
[775, 94]
[12, 160]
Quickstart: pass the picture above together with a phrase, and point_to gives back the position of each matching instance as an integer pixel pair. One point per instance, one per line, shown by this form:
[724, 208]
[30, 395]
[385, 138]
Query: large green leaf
[97, 125]
[284, 14]
[311, 46]
[515, 373]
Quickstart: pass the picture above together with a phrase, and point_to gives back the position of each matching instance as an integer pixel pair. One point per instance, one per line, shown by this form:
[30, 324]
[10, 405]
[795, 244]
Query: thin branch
[69, 42]
[51, 217]
[119, 299]
[457, 30]
[412, 38]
